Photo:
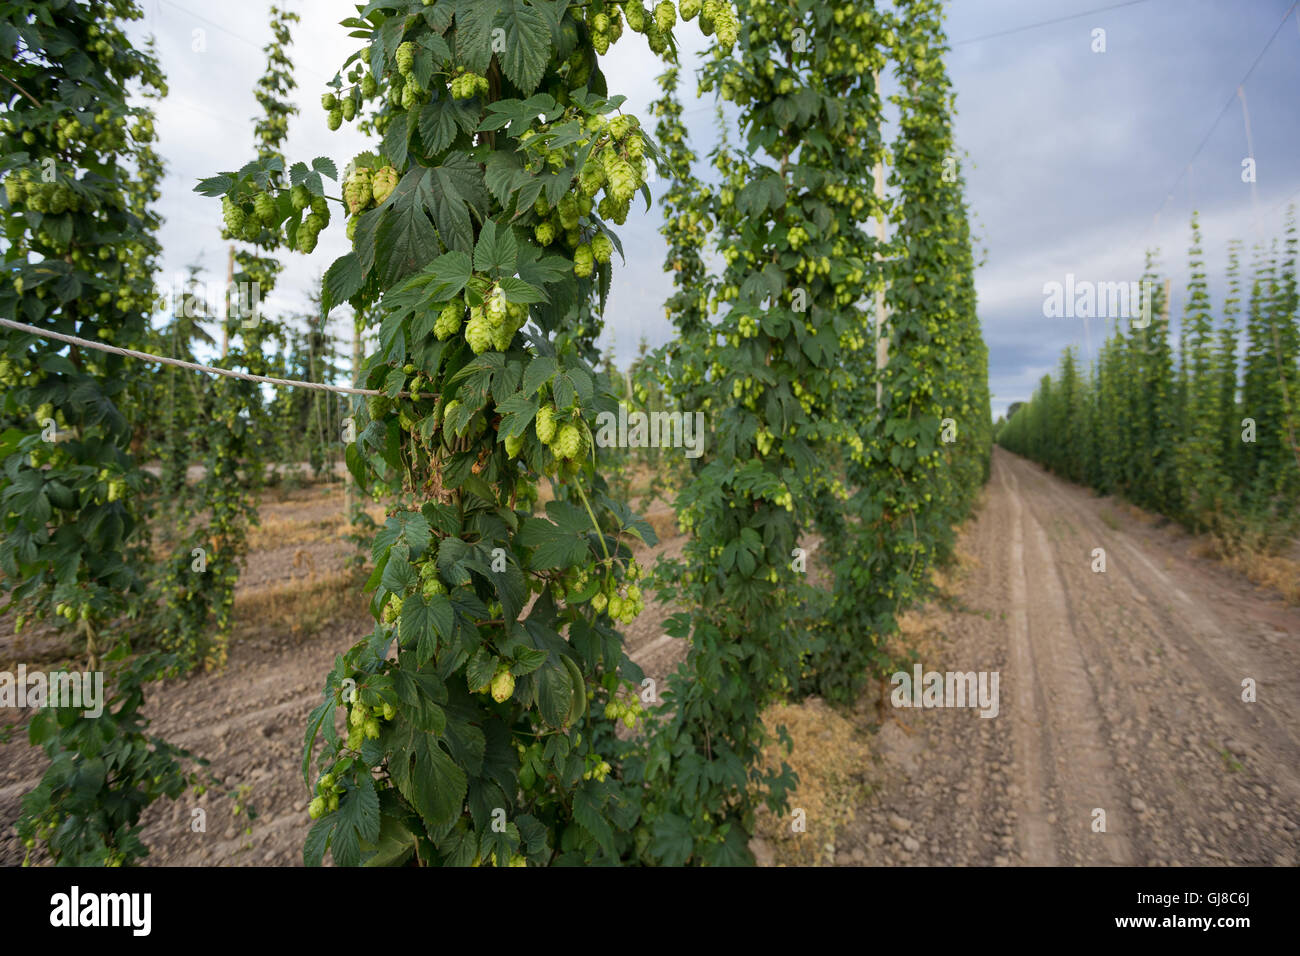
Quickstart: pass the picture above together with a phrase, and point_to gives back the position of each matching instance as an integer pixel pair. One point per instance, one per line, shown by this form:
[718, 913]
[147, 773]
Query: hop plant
[299, 197]
[514, 444]
[335, 119]
[544, 232]
[602, 247]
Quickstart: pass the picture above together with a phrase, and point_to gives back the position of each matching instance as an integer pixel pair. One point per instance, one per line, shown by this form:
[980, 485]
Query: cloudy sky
[1078, 160]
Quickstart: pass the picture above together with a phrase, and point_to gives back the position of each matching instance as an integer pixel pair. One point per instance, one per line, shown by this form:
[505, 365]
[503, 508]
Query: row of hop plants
[134, 564]
[810, 433]
[1204, 428]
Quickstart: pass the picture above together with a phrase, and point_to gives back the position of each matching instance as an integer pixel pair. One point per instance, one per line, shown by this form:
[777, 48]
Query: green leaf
[438, 126]
[342, 281]
[450, 192]
[428, 778]
[527, 46]
[474, 33]
[451, 272]
[552, 546]
[214, 186]
[318, 837]
[672, 840]
[554, 693]
[395, 845]
[517, 413]
[325, 166]
[540, 371]
[452, 556]
[520, 292]
[588, 816]
[406, 240]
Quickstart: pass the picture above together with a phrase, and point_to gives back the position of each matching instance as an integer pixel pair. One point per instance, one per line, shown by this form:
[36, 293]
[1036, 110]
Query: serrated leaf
[214, 186]
[527, 46]
[539, 372]
[325, 166]
[474, 33]
[554, 693]
[342, 281]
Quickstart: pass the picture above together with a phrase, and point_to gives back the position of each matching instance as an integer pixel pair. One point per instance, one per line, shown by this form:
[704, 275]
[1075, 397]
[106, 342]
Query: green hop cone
[432, 587]
[545, 424]
[582, 261]
[689, 8]
[410, 97]
[635, 12]
[503, 685]
[568, 443]
[568, 210]
[300, 198]
[592, 177]
[448, 323]
[316, 809]
[383, 184]
[378, 406]
[665, 15]
[728, 26]
[349, 109]
[478, 332]
[265, 207]
[357, 190]
[369, 87]
[514, 443]
[405, 57]
[329, 102]
[335, 119]
[544, 232]
[602, 247]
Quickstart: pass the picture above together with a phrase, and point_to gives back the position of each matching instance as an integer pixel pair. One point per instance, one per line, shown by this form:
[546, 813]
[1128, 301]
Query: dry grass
[282, 532]
[300, 607]
[1278, 572]
[830, 756]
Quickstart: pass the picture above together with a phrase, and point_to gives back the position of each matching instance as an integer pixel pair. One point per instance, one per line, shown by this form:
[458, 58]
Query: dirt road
[1120, 691]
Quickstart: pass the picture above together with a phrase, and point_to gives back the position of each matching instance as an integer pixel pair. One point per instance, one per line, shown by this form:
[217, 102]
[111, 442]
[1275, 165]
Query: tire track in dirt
[1026, 720]
[1123, 693]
